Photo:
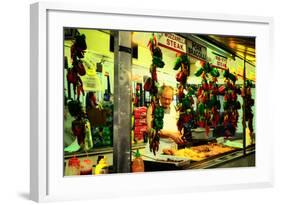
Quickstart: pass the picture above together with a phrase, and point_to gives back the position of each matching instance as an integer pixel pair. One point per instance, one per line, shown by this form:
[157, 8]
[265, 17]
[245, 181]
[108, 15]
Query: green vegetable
[201, 108]
[215, 73]
[199, 72]
[158, 62]
[159, 112]
[207, 67]
[177, 63]
[186, 102]
[225, 105]
[158, 124]
[230, 76]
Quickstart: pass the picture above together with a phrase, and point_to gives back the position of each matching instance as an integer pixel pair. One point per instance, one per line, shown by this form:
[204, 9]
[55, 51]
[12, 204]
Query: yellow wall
[97, 41]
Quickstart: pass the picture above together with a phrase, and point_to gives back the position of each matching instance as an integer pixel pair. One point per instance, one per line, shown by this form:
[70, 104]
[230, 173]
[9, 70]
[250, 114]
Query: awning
[240, 46]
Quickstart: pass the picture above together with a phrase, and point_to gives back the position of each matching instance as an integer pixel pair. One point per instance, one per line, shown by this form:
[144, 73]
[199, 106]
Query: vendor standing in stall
[170, 136]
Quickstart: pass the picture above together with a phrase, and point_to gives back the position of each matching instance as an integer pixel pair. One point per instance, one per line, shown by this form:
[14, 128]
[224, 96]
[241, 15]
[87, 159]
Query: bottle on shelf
[102, 167]
[138, 164]
[86, 167]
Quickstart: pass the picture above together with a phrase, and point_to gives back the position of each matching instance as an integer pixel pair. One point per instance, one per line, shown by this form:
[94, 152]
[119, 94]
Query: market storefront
[113, 79]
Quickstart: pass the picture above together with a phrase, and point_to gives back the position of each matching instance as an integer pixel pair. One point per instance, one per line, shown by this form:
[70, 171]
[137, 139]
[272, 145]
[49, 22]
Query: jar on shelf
[86, 167]
[73, 166]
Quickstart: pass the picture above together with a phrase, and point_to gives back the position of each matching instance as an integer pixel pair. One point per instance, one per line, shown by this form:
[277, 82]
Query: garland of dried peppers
[151, 85]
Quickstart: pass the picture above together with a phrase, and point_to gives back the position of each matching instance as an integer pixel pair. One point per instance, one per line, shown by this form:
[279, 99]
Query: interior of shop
[117, 85]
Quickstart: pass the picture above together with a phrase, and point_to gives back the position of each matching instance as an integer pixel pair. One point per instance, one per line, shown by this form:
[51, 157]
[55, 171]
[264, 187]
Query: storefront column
[122, 102]
[244, 108]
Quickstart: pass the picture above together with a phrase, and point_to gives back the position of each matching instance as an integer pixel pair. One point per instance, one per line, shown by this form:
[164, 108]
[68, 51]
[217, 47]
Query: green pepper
[177, 63]
[230, 76]
[218, 105]
[238, 105]
[186, 102]
[225, 105]
[207, 67]
[199, 72]
[157, 53]
[185, 60]
[215, 73]
[159, 112]
[201, 108]
[208, 104]
[158, 124]
[158, 62]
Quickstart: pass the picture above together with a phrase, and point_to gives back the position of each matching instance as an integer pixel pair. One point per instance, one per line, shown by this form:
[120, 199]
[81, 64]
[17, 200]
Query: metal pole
[122, 102]
[244, 108]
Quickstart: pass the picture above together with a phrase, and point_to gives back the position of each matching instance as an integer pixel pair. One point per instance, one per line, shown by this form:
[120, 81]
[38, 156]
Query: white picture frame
[46, 167]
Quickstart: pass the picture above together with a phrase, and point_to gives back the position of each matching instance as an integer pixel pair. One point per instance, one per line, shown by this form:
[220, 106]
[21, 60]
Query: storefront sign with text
[219, 61]
[172, 42]
[196, 50]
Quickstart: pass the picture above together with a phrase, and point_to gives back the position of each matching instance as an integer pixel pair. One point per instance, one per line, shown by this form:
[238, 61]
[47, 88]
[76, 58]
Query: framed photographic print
[126, 102]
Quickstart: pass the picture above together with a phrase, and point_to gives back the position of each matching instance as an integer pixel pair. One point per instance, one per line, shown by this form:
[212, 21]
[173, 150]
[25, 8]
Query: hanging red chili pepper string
[73, 74]
[185, 101]
[151, 85]
[208, 105]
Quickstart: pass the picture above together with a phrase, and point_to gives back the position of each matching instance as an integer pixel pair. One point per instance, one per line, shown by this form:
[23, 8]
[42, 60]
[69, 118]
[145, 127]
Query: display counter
[234, 158]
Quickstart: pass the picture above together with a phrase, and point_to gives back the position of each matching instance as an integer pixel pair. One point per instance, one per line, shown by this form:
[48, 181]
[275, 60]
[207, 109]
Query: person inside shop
[170, 136]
